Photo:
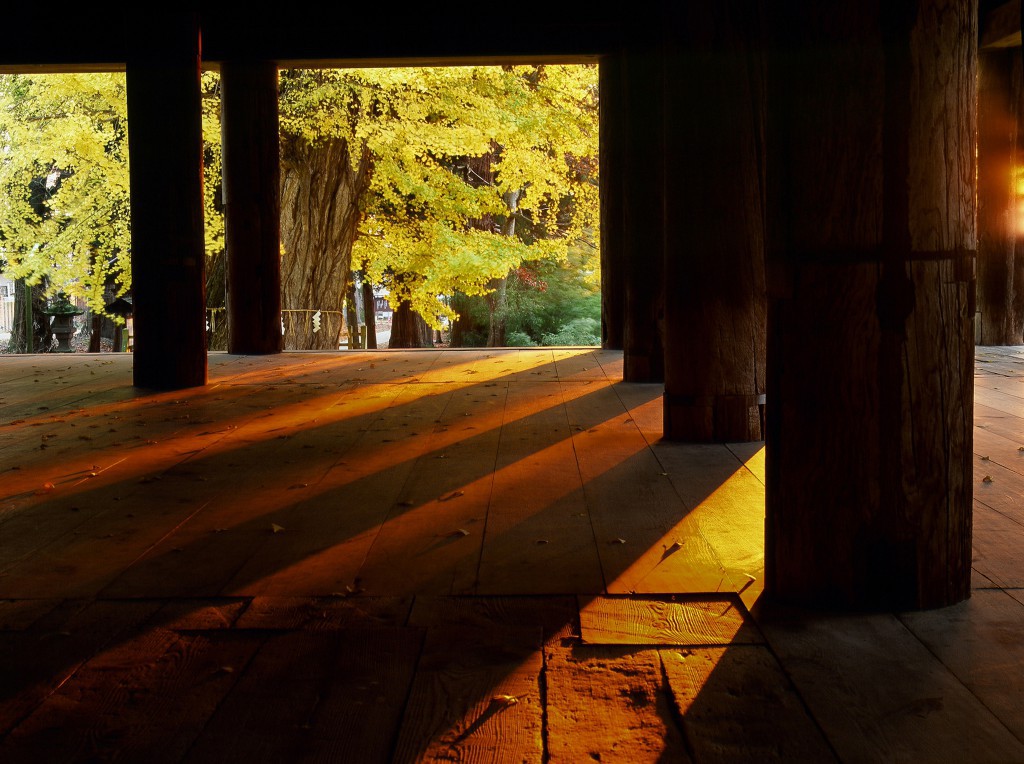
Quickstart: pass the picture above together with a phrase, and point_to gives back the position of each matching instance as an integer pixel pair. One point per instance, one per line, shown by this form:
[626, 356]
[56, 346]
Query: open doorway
[425, 206]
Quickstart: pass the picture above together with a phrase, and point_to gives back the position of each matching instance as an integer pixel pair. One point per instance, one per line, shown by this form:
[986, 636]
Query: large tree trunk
[408, 329]
[31, 330]
[320, 193]
[216, 315]
[998, 106]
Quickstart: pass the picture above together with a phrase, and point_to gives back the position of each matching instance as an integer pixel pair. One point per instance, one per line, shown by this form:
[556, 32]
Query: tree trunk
[496, 307]
[216, 275]
[463, 323]
[369, 315]
[870, 273]
[31, 330]
[408, 329]
[320, 194]
[94, 334]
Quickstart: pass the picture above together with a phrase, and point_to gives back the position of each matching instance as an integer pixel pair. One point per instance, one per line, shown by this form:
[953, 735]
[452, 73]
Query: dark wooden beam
[613, 148]
[870, 363]
[714, 225]
[252, 194]
[1000, 314]
[643, 203]
[166, 147]
[1000, 27]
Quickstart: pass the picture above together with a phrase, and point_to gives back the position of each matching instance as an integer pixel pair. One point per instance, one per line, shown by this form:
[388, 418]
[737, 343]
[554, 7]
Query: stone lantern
[62, 326]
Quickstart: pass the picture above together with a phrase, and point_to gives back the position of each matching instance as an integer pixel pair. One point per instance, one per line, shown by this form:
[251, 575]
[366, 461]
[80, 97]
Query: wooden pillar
[252, 192]
[165, 142]
[1000, 310]
[714, 224]
[870, 275]
[612, 149]
[642, 183]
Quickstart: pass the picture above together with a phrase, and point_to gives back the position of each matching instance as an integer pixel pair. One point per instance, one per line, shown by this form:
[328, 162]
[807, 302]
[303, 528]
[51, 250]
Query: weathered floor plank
[476, 697]
[650, 621]
[737, 705]
[145, 699]
[316, 696]
[609, 704]
[880, 695]
[980, 642]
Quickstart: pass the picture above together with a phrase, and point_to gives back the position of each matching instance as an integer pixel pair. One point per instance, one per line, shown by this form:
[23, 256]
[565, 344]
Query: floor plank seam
[1011, 518]
[583, 483]
[794, 686]
[396, 738]
[675, 715]
[953, 674]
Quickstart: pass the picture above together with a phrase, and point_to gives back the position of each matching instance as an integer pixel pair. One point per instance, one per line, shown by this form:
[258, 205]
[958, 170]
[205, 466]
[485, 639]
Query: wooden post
[252, 193]
[999, 96]
[613, 149]
[714, 225]
[369, 315]
[165, 141]
[642, 183]
[870, 277]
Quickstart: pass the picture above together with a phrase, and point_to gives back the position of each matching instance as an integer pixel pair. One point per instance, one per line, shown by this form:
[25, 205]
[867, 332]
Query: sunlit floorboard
[432, 554]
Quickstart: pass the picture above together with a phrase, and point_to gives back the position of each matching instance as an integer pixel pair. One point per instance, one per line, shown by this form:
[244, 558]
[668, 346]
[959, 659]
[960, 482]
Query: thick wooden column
[165, 142]
[643, 203]
[613, 150]
[714, 224]
[870, 275]
[1000, 300]
[252, 192]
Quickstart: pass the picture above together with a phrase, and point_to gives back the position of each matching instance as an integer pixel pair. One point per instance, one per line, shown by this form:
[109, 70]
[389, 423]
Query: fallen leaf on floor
[617, 541]
[986, 479]
[458, 532]
[505, 700]
[274, 527]
[984, 458]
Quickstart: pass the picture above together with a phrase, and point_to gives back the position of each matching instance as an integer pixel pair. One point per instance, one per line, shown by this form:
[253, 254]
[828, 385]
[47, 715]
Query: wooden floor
[453, 556]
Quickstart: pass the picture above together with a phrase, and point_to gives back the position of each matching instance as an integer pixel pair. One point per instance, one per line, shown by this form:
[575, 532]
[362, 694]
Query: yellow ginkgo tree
[431, 181]
[64, 206]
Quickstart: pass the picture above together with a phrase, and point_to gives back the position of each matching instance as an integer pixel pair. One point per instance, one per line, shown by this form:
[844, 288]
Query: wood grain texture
[609, 704]
[736, 704]
[879, 694]
[456, 711]
[146, 699]
[324, 613]
[646, 621]
[334, 696]
[715, 306]
[36, 661]
[252, 208]
[978, 641]
[558, 617]
[891, 461]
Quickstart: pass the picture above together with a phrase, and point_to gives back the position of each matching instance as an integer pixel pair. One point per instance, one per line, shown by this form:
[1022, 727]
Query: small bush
[579, 331]
[519, 340]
